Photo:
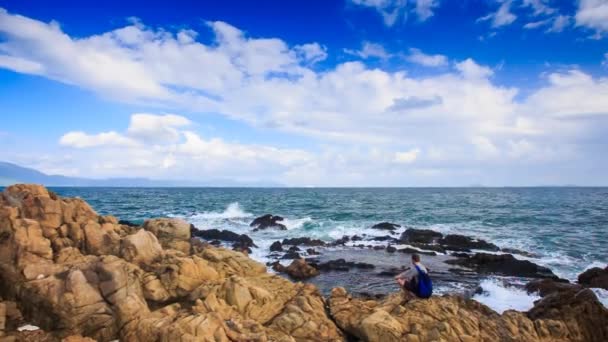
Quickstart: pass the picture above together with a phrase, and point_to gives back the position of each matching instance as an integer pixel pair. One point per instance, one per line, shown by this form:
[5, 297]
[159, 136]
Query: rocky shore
[79, 276]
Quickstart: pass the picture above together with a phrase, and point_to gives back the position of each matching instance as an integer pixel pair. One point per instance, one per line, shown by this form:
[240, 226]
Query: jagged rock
[299, 269]
[172, 233]
[391, 249]
[304, 241]
[276, 247]
[420, 236]
[400, 317]
[267, 221]
[341, 241]
[504, 264]
[518, 251]
[545, 287]
[464, 243]
[386, 226]
[243, 240]
[594, 277]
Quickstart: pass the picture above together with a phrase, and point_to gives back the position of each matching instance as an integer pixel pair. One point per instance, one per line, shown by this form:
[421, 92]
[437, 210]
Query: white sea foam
[602, 295]
[595, 264]
[501, 298]
[233, 210]
[295, 223]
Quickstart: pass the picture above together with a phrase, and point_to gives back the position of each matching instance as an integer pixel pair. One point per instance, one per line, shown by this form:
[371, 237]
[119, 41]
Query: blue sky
[309, 93]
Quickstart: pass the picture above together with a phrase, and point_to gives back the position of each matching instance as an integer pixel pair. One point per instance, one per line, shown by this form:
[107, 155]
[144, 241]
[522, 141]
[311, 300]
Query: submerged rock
[267, 221]
[304, 241]
[504, 264]
[276, 247]
[386, 226]
[341, 265]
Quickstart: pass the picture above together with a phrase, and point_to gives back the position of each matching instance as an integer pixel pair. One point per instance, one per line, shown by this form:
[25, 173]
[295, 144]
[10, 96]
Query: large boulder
[172, 233]
[299, 269]
[503, 264]
[141, 248]
[268, 221]
[594, 277]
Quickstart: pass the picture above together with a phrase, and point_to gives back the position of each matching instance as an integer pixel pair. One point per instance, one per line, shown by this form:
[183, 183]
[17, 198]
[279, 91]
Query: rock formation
[80, 276]
[75, 273]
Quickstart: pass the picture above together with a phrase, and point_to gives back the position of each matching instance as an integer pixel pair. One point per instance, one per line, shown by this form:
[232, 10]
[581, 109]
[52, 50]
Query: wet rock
[460, 255]
[463, 243]
[356, 238]
[504, 264]
[391, 249]
[224, 235]
[420, 236]
[518, 251]
[341, 241]
[386, 226]
[268, 221]
[291, 255]
[215, 243]
[341, 265]
[304, 241]
[276, 247]
[312, 251]
[379, 248]
[299, 269]
[546, 287]
[384, 238]
[392, 271]
[594, 277]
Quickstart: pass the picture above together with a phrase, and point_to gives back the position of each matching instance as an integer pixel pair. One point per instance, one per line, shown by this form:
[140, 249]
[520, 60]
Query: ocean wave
[295, 223]
[232, 211]
[595, 264]
[501, 298]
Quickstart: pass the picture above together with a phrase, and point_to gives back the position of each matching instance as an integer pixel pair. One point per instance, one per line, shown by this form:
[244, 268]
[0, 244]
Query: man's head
[415, 258]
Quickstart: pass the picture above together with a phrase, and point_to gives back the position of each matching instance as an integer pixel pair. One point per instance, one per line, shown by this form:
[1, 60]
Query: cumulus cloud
[358, 118]
[418, 57]
[593, 14]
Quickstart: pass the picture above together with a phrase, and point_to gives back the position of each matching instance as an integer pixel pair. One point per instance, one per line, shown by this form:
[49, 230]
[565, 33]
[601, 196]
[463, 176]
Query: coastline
[73, 272]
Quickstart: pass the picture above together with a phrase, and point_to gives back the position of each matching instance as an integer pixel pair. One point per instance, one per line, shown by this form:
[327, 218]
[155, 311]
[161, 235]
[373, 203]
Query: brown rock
[594, 277]
[140, 248]
[172, 233]
[299, 269]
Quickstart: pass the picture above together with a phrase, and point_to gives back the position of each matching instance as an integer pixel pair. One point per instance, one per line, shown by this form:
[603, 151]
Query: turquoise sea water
[566, 227]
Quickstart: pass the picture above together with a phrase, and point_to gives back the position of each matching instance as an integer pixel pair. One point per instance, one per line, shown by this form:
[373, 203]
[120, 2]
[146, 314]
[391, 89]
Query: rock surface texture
[80, 276]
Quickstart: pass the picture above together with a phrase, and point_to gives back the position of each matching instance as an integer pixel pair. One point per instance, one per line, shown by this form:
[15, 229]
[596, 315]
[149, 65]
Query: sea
[566, 228]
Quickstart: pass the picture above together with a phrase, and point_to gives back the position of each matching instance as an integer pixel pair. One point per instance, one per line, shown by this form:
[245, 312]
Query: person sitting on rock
[416, 279]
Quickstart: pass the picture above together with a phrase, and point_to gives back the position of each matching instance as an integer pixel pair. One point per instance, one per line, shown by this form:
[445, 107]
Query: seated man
[409, 279]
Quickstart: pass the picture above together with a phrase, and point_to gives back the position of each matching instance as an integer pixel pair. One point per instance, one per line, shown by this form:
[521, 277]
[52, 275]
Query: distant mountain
[12, 173]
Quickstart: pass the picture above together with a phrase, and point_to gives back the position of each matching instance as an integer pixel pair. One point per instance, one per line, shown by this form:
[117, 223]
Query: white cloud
[407, 157]
[153, 128]
[560, 22]
[472, 70]
[539, 6]
[356, 118]
[593, 14]
[418, 57]
[393, 11]
[605, 60]
[502, 16]
[370, 50]
[537, 24]
[79, 139]
[485, 147]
